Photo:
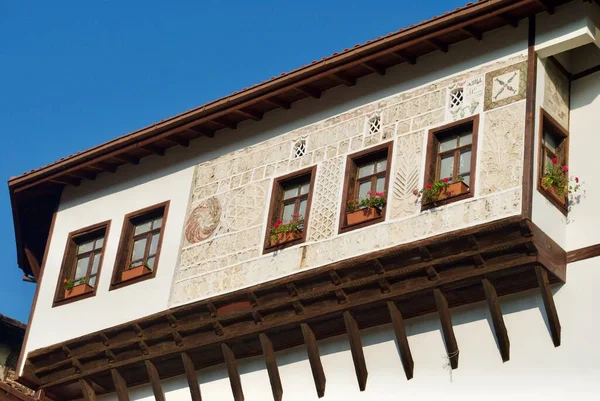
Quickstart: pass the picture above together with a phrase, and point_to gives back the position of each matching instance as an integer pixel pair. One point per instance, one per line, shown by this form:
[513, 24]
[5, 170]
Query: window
[139, 248]
[367, 173]
[451, 153]
[290, 209]
[81, 264]
[554, 144]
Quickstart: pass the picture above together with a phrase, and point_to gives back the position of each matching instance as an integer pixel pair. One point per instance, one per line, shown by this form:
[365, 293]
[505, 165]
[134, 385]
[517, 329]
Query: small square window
[139, 247]
[81, 264]
[367, 181]
[374, 125]
[290, 209]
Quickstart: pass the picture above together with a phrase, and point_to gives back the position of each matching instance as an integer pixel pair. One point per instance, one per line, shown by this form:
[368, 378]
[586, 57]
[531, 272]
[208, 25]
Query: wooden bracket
[271, 363]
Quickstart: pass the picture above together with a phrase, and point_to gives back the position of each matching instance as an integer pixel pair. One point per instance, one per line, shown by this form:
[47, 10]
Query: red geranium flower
[370, 193]
[277, 224]
[378, 193]
[577, 180]
[554, 160]
[446, 180]
[429, 186]
[565, 169]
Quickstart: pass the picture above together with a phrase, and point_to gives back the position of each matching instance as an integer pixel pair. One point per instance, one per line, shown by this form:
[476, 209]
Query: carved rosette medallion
[203, 221]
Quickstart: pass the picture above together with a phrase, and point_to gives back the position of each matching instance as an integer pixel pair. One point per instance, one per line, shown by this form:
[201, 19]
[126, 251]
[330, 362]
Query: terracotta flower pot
[358, 216]
[138, 271]
[234, 307]
[286, 237]
[562, 199]
[78, 289]
[454, 189]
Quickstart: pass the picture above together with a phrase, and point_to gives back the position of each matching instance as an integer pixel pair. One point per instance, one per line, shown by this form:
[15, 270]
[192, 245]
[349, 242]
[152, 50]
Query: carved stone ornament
[203, 221]
[505, 86]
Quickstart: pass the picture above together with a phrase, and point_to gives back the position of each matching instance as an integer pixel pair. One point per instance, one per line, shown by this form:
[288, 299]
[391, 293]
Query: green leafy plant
[557, 177]
[69, 283]
[295, 224]
[129, 265]
[376, 200]
[432, 192]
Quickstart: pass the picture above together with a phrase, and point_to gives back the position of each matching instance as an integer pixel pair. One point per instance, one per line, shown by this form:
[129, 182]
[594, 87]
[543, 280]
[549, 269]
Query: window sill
[273, 248]
[560, 204]
[143, 277]
[446, 201]
[75, 298]
[349, 227]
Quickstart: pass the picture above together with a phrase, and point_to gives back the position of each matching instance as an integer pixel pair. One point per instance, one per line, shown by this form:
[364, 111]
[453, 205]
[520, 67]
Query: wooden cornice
[439, 273]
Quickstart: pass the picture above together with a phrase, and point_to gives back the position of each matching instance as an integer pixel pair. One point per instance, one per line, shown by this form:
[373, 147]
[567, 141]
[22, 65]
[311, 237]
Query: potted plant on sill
[556, 181]
[367, 209]
[77, 287]
[440, 190]
[282, 233]
[132, 271]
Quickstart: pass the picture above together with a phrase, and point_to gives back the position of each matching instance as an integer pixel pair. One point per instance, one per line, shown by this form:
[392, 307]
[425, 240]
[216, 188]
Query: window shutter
[432, 167]
[276, 208]
[352, 174]
[125, 247]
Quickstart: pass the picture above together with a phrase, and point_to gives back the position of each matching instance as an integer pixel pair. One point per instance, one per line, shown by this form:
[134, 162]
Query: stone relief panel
[501, 153]
[246, 207]
[465, 98]
[556, 94]
[505, 85]
[409, 151]
[324, 216]
[203, 221]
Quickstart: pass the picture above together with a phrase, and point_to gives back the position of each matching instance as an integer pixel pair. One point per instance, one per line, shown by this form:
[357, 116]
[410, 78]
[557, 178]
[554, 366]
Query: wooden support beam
[510, 20]
[479, 261]
[154, 149]
[343, 79]
[358, 356]
[66, 350]
[178, 339]
[405, 56]
[272, 369]
[447, 329]
[179, 141]
[551, 314]
[232, 371]
[83, 175]
[384, 284]
[34, 265]
[159, 395]
[497, 319]
[292, 289]
[441, 46]
[255, 115]
[120, 385]
[425, 254]
[376, 68]
[104, 167]
[379, 268]
[545, 6]
[257, 317]
[87, 391]
[432, 274]
[279, 103]
[212, 309]
[192, 378]
[334, 277]
[218, 328]
[400, 331]
[225, 123]
[77, 365]
[298, 307]
[202, 131]
[110, 356]
[472, 33]
[309, 91]
[144, 347]
[138, 329]
[128, 159]
[66, 181]
[104, 339]
[253, 299]
[172, 320]
[341, 296]
[314, 358]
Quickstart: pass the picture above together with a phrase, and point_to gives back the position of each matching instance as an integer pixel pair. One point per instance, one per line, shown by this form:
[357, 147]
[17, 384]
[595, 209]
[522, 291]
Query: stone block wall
[222, 249]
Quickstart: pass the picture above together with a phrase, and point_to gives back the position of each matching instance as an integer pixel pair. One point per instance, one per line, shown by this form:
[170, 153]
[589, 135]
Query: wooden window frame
[126, 241]
[548, 122]
[351, 167]
[274, 208]
[431, 158]
[69, 257]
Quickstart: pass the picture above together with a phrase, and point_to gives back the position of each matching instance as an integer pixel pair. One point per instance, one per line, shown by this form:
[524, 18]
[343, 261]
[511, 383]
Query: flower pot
[234, 307]
[454, 189]
[78, 289]
[283, 238]
[358, 216]
[138, 271]
[562, 199]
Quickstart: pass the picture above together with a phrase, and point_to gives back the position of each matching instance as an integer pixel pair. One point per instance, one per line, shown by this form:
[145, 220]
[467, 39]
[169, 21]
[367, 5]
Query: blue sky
[78, 73]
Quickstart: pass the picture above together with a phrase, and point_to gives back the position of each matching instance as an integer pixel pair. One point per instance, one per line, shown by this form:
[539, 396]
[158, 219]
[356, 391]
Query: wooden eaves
[32, 220]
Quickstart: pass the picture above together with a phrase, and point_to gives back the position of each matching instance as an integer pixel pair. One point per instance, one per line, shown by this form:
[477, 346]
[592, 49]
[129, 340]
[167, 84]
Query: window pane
[363, 188]
[302, 208]
[547, 162]
[96, 263]
[447, 143]
[467, 179]
[154, 244]
[157, 223]
[381, 165]
[81, 269]
[380, 187]
[466, 139]
[99, 243]
[150, 262]
[85, 247]
[446, 167]
[92, 281]
[550, 142]
[143, 227]
[288, 211]
[366, 170]
[139, 247]
[136, 264]
[304, 189]
[290, 192]
[465, 162]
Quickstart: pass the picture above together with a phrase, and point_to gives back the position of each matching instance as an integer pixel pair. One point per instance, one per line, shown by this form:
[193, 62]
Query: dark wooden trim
[58, 300]
[277, 182]
[192, 378]
[120, 385]
[157, 390]
[121, 256]
[314, 359]
[34, 265]
[431, 159]
[350, 161]
[358, 356]
[272, 369]
[585, 73]
[551, 314]
[588, 252]
[87, 390]
[400, 331]
[232, 371]
[8, 393]
[497, 320]
[447, 330]
[529, 139]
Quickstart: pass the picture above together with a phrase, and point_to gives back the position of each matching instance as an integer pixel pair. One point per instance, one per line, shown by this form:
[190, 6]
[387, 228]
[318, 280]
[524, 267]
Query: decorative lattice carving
[203, 221]
[374, 125]
[406, 180]
[456, 98]
[300, 148]
[245, 208]
[324, 210]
